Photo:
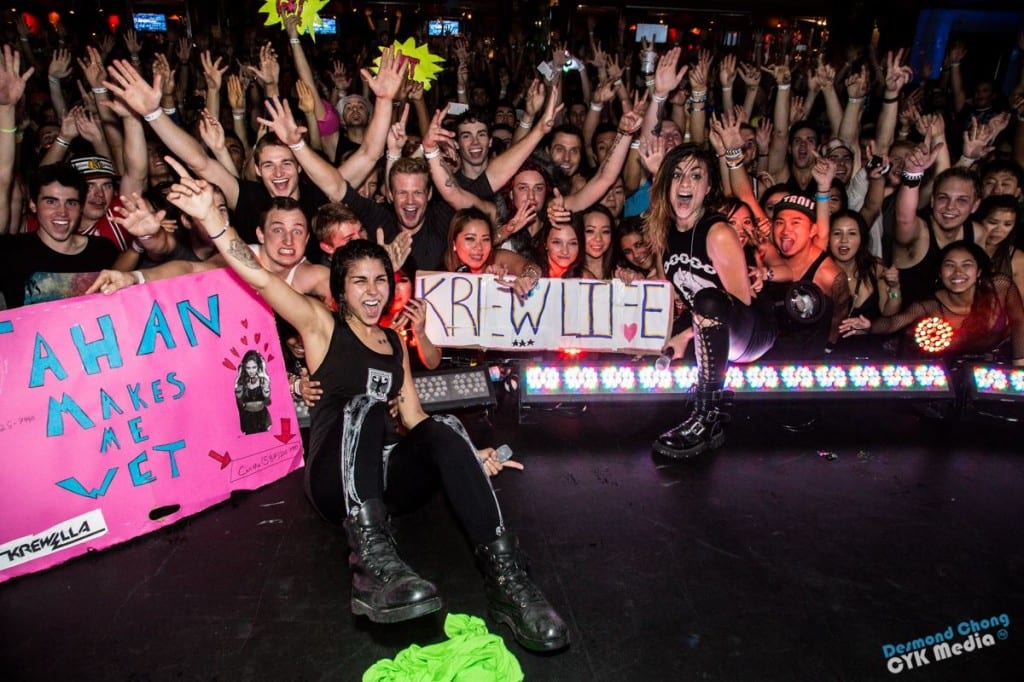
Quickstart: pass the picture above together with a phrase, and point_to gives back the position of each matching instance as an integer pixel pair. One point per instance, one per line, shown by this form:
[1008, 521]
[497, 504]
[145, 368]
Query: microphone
[665, 359]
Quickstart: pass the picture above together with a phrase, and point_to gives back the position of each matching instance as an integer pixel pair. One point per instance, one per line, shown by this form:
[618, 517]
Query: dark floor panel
[784, 556]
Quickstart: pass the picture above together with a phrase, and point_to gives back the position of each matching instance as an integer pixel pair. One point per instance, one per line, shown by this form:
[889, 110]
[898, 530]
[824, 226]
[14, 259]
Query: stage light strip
[550, 382]
[993, 380]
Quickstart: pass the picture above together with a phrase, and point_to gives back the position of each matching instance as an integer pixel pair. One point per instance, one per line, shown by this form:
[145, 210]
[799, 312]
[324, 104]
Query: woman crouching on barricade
[700, 254]
[358, 463]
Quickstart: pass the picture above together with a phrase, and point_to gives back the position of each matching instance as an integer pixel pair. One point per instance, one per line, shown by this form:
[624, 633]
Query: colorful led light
[788, 380]
[1001, 381]
[933, 334]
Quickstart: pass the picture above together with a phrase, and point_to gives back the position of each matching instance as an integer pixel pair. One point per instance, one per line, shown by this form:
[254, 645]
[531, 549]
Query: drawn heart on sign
[629, 330]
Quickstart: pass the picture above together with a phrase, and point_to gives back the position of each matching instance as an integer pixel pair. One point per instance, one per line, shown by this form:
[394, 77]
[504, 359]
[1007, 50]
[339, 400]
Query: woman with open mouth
[701, 255]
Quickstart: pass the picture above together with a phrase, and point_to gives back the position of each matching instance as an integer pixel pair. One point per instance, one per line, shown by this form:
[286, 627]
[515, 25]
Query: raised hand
[727, 71]
[126, 83]
[922, 158]
[896, 74]
[535, 96]
[269, 70]
[307, 97]
[60, 65]
[780, 72]
[211, 130]
[399, 248]
[193, 196]
[106, 44]
[698, 75]
[977, 140]
[857, 83]
[339, 75]
[12, 83]
[750, 74]
[558, 214]
[213, 72]
[92, 67]
[131, 41]
[88, 127]
[551, 109]
[823, 171]
[666, 77]
[163, 67]
[390, 76]
[236, 95]
[525, 215]
[136, 215]
[397, 136]
[282, 122]
[652, 152]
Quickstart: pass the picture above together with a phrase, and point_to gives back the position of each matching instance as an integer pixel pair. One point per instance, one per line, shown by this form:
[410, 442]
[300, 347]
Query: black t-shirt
[687, 263]
[428, 245]
[22, 255]
[480, 186]
[254, 199]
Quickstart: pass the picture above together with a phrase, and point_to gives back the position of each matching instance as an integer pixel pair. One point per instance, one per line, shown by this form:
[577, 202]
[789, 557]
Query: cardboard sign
[119, 414]
[599, 315]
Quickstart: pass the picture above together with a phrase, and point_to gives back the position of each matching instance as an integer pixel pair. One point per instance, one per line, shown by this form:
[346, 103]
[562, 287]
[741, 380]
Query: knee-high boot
[384, 588]
[702, 430]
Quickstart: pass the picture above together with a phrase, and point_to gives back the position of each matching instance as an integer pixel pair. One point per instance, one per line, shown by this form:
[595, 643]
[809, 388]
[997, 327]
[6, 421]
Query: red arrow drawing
[286, 430]
[224, 459]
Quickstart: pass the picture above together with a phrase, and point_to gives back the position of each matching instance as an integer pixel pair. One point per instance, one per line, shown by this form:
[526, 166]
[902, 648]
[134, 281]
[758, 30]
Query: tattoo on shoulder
[240, 251]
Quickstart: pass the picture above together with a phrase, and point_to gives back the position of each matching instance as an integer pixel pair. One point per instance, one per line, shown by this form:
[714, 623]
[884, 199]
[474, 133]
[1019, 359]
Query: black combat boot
[701, 431]
[384, 588]
[516, 601]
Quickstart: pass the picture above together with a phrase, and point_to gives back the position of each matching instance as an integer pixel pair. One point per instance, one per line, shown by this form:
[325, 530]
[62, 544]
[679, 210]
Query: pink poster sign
[121, 414]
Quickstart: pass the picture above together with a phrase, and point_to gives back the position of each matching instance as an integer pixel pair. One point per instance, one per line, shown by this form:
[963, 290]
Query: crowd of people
[810, 207]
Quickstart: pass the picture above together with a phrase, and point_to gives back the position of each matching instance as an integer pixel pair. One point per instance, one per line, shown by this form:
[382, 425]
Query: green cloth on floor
[471, 654]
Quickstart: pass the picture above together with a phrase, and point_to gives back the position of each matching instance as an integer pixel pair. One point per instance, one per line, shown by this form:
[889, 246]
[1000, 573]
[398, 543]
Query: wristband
[734, 164]
[432, 153]
[726, 88]
[460, 91]
[890, 100]
[784, 86]
[297, 146]
[912, 179]
[139, 277]
[238, 115]
[894, 294]
[617, 82]
[597, 106]
[954, 65]
[9, 131]
[822, 196]
[219, 234]
[99, 91]
[153, 115]
[635, 144]
[525, 125]
[25, 39]
[649, 83]
[658, 99]
[733, 154]
[61, 142]
[53, 79]
[393, 157]
[531, 271]
[170, 111]
[144, 237]
[293, 41]
[854, 100]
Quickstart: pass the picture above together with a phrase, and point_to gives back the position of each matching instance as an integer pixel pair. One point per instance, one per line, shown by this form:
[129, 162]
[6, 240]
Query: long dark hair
[863, 261]
[608, 257]
[660, 217]
[1004, 250]
[458, 223]
[986, 299]
[574, 270]
[341, 262]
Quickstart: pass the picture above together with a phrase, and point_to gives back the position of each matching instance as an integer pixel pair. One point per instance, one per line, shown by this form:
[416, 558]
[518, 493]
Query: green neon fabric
[471, 654]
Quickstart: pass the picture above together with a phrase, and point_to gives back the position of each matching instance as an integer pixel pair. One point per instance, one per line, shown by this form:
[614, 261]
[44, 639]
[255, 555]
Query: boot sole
[716, 442]
[526, 642]
[396, 614]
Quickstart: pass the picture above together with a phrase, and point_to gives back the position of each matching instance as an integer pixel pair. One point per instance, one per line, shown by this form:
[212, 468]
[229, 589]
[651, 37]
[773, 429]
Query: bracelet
[238, 115]
[170, 111]
[295, 387]
[734, 164]
[617, 82]
[784, 86]
[658, 99]
[912, 179]
[99, 91]
[460, 91]
[432, 153]
[954, 65]
[890, 100]
[24, 39]
[726, 88]
[9, 131]
[649, 83]
[219, 234]
[769, 274]
[139, 277]
[822, 196]
[531, 271]
[393, 157]
[635, 144]
[294, 41]
[153, 115]
[597, 106]
[60, 141]
[733, 154]
[854, 100]
[894, 294]
[144, 237]
[297, 146]
[525, 125]
[53, 79]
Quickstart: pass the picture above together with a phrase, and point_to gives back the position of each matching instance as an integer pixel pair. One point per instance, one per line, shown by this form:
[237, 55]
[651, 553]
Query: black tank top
[351, 369]
[920, 281]
[797, 340]
[687, 263]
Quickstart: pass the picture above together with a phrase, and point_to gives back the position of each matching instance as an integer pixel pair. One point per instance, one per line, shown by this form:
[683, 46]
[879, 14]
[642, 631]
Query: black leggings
[436, 454]
[725, 329]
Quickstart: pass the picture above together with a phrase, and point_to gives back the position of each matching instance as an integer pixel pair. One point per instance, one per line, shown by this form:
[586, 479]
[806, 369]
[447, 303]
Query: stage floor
[782, 556]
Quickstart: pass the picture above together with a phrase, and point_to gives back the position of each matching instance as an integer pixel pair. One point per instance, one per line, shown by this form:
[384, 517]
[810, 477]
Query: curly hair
[661, 217]
[345, 257]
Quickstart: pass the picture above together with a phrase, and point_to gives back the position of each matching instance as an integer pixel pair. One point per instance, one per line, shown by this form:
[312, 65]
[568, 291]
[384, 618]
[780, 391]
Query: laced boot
[701, 431]
[516, 601]
[384, 588]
